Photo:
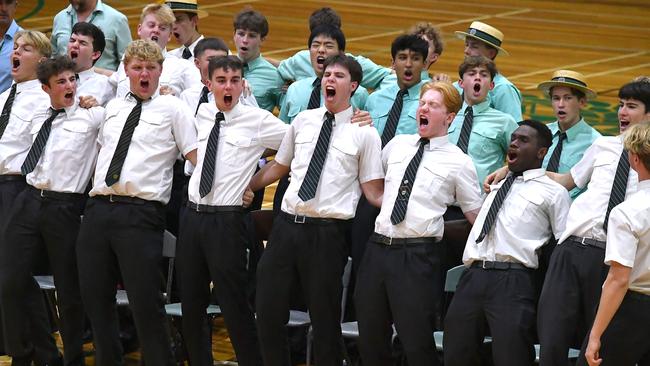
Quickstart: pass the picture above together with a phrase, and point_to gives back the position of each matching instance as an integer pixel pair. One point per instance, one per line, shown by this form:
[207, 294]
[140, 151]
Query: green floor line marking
[37, 8]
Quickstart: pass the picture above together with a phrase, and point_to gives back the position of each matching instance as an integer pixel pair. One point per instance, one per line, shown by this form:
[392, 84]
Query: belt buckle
[42, 193]
[198, 207]
[389, 241]
[299, 219]
[583, 241]
[110, 198]
[483, 264]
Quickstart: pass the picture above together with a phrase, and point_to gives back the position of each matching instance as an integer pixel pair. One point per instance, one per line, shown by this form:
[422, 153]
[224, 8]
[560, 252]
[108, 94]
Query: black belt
[123, 199]
[401, 242]
[59, 196]
[297, 219]
[497, 265]
[588, 241]
[11, 178]
[213, 209]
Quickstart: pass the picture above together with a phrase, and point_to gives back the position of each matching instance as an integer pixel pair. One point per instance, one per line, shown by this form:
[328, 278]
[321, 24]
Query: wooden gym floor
[607, 40]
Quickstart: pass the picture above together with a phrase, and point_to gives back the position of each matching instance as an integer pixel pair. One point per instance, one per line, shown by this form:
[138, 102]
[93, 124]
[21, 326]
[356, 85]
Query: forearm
[471, 215]
[269, 173]
[614, 291]
[566, 180]
[374, 191]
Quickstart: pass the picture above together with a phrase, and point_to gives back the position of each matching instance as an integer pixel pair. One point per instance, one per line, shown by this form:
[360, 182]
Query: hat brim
[547, 85]
[199, 12]
[462, 35]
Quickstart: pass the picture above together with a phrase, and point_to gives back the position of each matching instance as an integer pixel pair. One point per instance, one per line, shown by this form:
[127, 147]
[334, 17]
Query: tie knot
[219, 117]
[329, 116]
[402, 92]
[316, 82]
[205, 90]
[55, 112]
[424, 142]
[469, 111]
[138, 100]
[13, 87]
[562, 135]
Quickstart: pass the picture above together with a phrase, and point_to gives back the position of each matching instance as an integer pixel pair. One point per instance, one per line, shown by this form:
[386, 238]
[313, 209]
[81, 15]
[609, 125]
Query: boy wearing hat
[571, 134]
[185, 28]
[484, 40]
[619, 334]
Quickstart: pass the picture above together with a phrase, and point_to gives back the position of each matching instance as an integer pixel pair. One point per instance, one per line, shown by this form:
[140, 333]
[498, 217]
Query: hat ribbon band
[182, 6]
[564, 79]
[485, 36]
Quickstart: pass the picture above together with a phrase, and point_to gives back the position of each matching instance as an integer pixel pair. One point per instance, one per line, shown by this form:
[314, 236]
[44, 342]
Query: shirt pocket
[293, 110]
[485, 142]
[527, 209]
[344, 157]
[305, 143]
[429, 179]
[21, 124]
[76, 135]
[150, 128]
[235, 147]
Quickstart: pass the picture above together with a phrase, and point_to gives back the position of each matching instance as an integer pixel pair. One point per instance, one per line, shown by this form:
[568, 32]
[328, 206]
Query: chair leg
[346, 355]
[309, 345]
[50, 298]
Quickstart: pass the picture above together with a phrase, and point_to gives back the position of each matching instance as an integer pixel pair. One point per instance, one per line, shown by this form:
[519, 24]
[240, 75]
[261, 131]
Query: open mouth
[561, 113]
[330, 92]
[408, 73]
[177, 35]
[74, 54]
[624, 124]
[144, 84]
[227, 99]
[154, 38]
[512, 156]
[15, 63]
[424, 121]
[477, 88]
[69, 95]
[320, 60]
[244, 49]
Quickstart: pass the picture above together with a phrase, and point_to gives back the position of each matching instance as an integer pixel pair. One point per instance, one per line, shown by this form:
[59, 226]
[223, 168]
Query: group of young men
[375, 176]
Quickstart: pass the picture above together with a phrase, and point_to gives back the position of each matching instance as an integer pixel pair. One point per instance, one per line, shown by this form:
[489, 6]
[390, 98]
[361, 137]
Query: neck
[4, 28]
[195, 36]
[564, 126]
[471, 103]
[253, 57]
[56, 106]
[83, 14]
[334, 109]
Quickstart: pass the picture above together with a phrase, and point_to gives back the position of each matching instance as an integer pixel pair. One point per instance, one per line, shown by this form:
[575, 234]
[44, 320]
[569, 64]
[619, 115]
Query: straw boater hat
[484, 33]
[567, 78]
[188, 6]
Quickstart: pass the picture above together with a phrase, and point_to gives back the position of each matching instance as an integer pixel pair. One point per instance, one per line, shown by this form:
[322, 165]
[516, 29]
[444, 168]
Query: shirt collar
[233, 113]
[131, 97]
[573, 132]
[99, 7]
[27, 85]
[341, 117]
[644, 185]
[477, 108]
[193, 45]
[414, 91]
[434, 142]
[533, 173]
[86, 74]
[69, 111]
[254, 62]
[13, 28]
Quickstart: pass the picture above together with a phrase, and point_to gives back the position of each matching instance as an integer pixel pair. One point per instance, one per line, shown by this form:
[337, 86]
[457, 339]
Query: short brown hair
[144, 50]
[450, 96]
[36, 39]
[252, 20]
[53, 66]
[433, 34]
[162, 12]
[637, 141]
[471, 62]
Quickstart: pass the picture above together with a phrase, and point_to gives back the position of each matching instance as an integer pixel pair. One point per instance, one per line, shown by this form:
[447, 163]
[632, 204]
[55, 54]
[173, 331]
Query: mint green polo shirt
[265, 81]
[381, 101]
[504, 97]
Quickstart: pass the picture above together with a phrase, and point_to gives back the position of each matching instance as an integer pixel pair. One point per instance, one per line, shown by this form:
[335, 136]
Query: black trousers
[569, 298]
[625, 342]
[43, 226]
[124, 238]
[212, 247]
[400, 285]
[505, 300]
[313, 254]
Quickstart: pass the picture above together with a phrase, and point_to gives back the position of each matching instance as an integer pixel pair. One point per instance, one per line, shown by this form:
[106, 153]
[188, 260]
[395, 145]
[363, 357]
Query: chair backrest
[453, 276]
[457, 231]
[347, 271]
[169, 252]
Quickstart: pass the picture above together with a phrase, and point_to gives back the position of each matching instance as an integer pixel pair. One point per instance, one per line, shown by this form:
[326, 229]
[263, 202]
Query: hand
[104, 72]
[87, 101]
[362, 118]
[592, 353]
[166, 89]
[286, 85]
[494, 178]
[441, 77]
[248, 197]
[247, 90]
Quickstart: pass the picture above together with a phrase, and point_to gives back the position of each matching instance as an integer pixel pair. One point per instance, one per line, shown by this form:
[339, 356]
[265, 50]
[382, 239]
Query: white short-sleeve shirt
[353, 157]
[533, 212]
[445, 175]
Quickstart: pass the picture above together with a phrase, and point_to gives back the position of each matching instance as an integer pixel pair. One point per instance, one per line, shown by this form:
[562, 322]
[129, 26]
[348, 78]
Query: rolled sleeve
[370, 161]
[621, 241]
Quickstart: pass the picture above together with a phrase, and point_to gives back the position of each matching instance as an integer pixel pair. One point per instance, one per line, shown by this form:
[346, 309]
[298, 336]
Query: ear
[541, 153]
[491, 85]
[208, 83]
[492, 53]
[197, 63]
[96, 55]
[355, 85]
[138, 32]
[450, 118]
[582, 102]
[434, 58]
[46, 88]
[392, 63]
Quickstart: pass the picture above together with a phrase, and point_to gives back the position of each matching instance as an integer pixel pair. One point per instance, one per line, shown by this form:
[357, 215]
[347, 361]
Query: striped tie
[402, 200]
[619, 186]
[35, 152]
[314, 98]
[308, 187]
[115, 168]
[186, 53]
[393, 118]
[6, 110]
[554, 161]
[209, 160]
[202, 99]
[491, 216]
[466, 130]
